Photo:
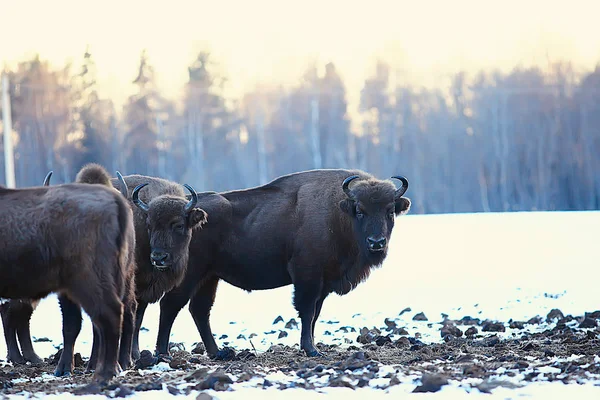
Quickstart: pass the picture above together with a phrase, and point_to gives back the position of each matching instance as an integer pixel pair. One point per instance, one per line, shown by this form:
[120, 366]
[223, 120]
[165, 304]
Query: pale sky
[272, 41]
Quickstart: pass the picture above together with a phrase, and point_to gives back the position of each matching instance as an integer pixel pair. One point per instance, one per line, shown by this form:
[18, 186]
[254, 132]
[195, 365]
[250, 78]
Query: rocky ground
[474, 354]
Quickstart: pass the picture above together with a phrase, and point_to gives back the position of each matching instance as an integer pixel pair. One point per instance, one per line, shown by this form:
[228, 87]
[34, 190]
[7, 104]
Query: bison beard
[74, 242]
[310, 229]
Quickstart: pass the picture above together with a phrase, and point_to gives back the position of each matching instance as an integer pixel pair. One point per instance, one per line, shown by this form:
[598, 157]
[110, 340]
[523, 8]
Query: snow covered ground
[496, 266]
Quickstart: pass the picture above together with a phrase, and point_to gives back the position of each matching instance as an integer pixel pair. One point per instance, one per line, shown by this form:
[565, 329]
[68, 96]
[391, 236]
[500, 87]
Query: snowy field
[487, 266]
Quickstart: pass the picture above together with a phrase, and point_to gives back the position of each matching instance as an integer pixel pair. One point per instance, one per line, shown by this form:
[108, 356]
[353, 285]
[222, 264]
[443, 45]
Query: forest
[491, 141]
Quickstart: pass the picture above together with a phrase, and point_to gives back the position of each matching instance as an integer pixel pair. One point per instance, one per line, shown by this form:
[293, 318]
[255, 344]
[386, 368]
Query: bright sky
[272, 41]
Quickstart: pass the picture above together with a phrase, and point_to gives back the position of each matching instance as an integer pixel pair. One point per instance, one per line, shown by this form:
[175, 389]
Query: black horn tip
[47, 178]
[135, 196]
[404, 186]
[193, 199]
[122, 185]
[346, 183]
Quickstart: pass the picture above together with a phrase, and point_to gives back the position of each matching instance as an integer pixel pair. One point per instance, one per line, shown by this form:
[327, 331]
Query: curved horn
[403, 188]
[47, 179]
[122, 185]
[135, 197]
[346, 183]
[193, 200]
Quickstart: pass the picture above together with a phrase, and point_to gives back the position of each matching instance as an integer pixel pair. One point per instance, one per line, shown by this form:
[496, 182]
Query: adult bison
[95, 174]
[156, 272]
[70, 239]
[321, 230]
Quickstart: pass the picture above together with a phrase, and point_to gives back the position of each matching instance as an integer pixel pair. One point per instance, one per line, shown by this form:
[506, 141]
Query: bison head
[170, 221]
[372, 205]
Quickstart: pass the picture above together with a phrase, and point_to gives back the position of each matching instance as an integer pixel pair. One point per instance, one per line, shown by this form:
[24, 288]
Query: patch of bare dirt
[568, 352]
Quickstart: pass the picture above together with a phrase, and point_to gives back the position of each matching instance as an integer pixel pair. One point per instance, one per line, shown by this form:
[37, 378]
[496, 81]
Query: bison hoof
[34, 359]
[164, 357]
[314, 353]
[16, 359]
[58, 373]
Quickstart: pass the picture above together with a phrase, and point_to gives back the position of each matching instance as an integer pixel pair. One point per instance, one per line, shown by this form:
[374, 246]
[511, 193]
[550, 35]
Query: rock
[245, 355]
[554, 314]
[291, 324]
[593, 314]
[472, 331]
[176, 347]
[535, 320]
[391, 324]
[266, 383]
[225, 354]
[431, 383]
[492, 383]
[178, 363]
[517, 325]
[282, 334]
[240, 336]
[381, 340]
[146, 360]
[144, 387]
[407, 309]
[204, 396]
[42, 339]
[400, 331]
[368, 335]
[123, 391]
[217, 381]
[468, 320]
[402, 342]
[197, 375]
[223, 337]
[78, 361]
[199, 349]
[195, 360]
[278, 320]
[173, 390]
[491, 341]
[588, 323]
[340, 382]
[450, 329]
[92, 388]
[521, 365]
[420, 317]
[493, 327]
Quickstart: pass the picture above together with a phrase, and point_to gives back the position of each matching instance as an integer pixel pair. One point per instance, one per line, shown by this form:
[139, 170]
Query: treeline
[524, 140]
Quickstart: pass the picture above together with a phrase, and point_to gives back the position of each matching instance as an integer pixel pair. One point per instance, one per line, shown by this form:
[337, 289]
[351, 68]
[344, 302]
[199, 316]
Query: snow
[493, 265]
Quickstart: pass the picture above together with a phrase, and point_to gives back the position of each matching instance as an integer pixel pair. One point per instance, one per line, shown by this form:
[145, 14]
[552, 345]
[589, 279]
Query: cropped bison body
[161, 259]
[322, 231]
[95, 174]
[70, 239]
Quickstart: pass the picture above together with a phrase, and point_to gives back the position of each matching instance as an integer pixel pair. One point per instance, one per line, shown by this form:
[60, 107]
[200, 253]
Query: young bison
[70, 239]
[311, 229]
[158, 271]
[95, 174]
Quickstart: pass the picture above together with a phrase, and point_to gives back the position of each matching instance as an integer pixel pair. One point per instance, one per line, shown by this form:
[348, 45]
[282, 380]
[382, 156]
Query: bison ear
[402, 205]
[347, 206]
[197, 218]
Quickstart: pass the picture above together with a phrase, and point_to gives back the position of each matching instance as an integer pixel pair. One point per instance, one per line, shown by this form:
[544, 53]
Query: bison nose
[376, 243]
[159, 257]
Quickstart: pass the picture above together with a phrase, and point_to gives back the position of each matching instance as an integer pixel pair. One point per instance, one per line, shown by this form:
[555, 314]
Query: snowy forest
[527, 139]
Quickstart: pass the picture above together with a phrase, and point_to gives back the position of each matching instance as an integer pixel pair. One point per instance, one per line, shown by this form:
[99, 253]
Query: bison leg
[170, 306]
[108, 318]
[139, 317]
[71, 314]
[24, 333]
[306, 296]
[127, 332]
[200, 306]
[10, 333]
[318, 312]
[93, 361]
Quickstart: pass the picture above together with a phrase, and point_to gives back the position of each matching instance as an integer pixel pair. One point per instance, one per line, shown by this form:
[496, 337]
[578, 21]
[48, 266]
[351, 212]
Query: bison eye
[359, 214]
[178, 227]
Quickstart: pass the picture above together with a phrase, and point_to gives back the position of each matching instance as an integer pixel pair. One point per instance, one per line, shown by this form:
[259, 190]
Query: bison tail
[93, 174]
[126, 228]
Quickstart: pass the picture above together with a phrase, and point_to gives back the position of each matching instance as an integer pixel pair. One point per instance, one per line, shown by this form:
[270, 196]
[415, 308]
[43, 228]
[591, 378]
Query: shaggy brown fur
[300, 229]
[97, 175]
[74, 241]
[153, 281]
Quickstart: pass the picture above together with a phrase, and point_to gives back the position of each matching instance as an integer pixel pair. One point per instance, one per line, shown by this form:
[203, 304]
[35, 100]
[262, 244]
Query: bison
[321, 230]
[156, 272]
[71, 311]
[71, 239]
[16, 316]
